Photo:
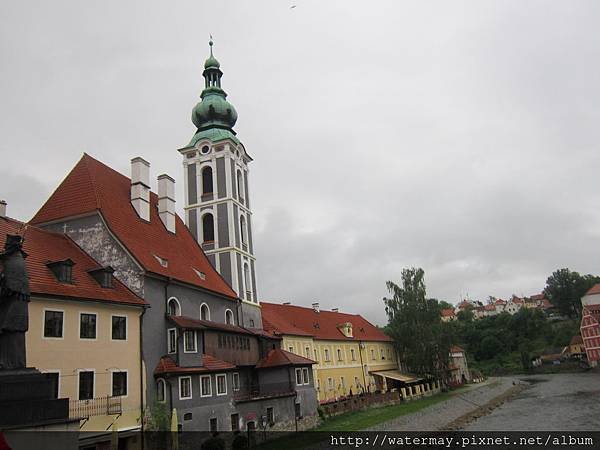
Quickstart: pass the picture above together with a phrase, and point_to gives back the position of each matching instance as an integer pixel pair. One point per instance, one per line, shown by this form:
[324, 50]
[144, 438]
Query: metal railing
[101, 406]
[256, 391]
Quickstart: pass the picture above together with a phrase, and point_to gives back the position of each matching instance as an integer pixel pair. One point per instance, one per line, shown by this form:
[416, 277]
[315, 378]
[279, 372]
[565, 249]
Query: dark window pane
[53, 324]
[86, 385]
[235, 422]
[208, 228]
[207, 181]
[53, 377]
[213, 424]
[119, 385]
[87, 328]
[119, 328]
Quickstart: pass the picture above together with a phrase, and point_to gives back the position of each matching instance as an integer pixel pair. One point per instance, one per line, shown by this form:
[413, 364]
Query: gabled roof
[595, 289]
[197, 324]
[538, 296]
[94, 187]
[490, 307]
[448, 312]
[500, 302]
[464, 304]
[43, 247]
[456, 349]
[301, 321]
[278, 357]
[166, 364]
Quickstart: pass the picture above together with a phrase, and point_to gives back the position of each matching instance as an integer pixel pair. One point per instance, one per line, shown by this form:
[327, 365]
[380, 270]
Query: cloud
[461, 138]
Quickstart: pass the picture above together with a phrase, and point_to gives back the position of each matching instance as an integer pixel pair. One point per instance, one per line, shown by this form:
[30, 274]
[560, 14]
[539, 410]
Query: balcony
[101, 406]
[257, 392]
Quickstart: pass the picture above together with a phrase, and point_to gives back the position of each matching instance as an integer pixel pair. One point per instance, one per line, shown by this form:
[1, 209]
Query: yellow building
[84, 332]
[350, 352]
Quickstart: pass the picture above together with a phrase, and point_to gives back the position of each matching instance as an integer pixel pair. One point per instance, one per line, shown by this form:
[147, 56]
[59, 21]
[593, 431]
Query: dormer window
[162, 261]
[345, 329]
[103, 275]
[62, 270]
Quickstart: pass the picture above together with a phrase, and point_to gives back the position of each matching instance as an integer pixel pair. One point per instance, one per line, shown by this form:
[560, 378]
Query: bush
[240, 442]
[214, 443]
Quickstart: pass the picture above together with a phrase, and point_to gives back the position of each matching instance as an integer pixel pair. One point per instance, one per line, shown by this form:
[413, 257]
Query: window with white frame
[53, 324]
[352, 354]
[185, 388]
[204, 312]
[173, 308]
[339, 354]
[307, 352]
[221, 384]
[316, 355]
[235, 381]
[189, 341]
[205, 386]
[172, 340]
[326, 354]
[119, 384]
[372, 354]
[305, 376]
[87, 326]
[299, 377]
[119, 328]
[270, 416]
[330, 383]
[229, 317]
[161, 390]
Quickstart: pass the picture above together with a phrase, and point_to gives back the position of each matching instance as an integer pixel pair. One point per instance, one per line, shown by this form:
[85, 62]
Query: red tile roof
[538, 296]
[490, 307]
[278, 357]
[209, 364]
[500, 302]
[448, 312]
[456, 349]
[92, 186]
[595, 289]
[197, 324]
[301, 321]
[43, 246]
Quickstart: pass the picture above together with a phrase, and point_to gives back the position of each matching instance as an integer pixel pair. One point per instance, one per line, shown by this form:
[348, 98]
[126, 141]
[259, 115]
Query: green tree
[465, 315]
[445, 305]
[565, 288]
[421, 338]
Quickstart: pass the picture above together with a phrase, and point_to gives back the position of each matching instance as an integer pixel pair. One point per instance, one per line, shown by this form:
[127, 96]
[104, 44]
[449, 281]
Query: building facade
[590, 324]
[84, 334]
[351, 354]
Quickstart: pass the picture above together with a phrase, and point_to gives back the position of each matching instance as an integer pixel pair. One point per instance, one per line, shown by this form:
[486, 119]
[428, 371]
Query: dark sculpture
[14, 299]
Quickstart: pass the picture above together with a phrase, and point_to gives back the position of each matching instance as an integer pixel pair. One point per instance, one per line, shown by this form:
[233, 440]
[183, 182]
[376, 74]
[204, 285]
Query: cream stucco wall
[70, 354]
[336, 376]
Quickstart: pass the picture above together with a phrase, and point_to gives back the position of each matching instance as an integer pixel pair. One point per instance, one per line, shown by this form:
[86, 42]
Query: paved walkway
[437, 416]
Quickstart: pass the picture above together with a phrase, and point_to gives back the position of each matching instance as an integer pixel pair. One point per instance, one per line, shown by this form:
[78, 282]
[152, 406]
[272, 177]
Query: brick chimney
[140, 187]
[315, 307]
[2, 208]
[166, 201]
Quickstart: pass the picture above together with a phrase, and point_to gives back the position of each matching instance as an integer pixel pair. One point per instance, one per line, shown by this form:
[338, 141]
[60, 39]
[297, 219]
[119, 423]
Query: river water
[559, 402]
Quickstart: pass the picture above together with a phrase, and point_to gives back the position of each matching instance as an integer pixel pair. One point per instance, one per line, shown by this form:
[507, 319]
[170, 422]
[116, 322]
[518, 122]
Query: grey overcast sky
[461, 137]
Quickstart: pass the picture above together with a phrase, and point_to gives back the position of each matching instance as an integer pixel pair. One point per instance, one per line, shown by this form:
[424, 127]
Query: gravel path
[438, 416]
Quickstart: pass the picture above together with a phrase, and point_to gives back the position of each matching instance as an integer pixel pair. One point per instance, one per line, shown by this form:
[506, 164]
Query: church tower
[217, 202]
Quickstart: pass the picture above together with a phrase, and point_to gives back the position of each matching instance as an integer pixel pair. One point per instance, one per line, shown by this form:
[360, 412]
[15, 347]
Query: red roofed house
[352, 355]
[84, 332]
[447, 314]
[590, 324]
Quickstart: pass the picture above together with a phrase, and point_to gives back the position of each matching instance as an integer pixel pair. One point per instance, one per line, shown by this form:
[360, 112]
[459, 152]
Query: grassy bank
[357, 421]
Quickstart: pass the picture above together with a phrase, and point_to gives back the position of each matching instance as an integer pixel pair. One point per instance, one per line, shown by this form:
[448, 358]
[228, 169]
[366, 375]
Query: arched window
[161, 390]
[243, 231]
[207, 180]
[228, 317]
[204, 312]
[208, 228]
[173, 308]
[247, 282]
[240, 186]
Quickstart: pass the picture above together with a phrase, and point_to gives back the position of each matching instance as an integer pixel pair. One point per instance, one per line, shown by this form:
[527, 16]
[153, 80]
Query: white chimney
[335, 309]
[166, 201]
[2, 208]
[315, 307]
[140, 187]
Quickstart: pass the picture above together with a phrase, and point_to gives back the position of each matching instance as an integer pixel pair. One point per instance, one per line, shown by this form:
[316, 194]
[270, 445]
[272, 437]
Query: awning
[396, 375]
